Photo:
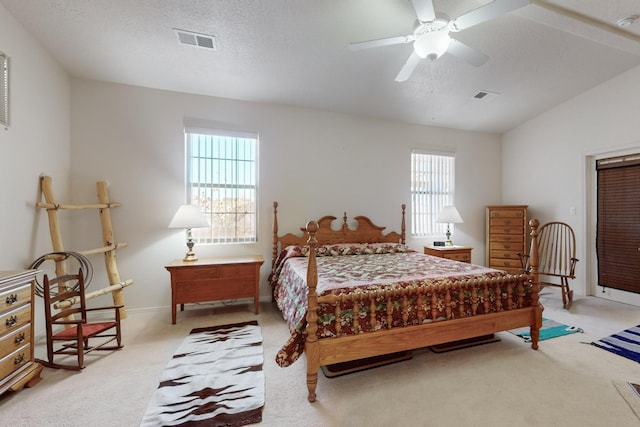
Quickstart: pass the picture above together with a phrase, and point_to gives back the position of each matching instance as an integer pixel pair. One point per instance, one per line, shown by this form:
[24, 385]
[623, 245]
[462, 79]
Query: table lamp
[188, 217]
[450, 215]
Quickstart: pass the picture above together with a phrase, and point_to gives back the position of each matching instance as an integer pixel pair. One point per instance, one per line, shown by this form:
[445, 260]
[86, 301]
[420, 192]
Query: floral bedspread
[341, 268]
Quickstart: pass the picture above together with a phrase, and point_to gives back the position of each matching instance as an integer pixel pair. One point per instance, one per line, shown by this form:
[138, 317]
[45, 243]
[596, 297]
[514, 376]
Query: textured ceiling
[296, 52]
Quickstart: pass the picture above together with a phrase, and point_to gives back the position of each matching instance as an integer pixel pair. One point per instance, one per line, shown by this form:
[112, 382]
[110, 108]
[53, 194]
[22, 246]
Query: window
[222, 180]
[432, 187]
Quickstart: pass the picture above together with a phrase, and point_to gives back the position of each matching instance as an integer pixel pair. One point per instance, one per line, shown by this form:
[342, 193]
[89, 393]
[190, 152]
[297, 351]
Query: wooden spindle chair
[69, 332]
[557, 252]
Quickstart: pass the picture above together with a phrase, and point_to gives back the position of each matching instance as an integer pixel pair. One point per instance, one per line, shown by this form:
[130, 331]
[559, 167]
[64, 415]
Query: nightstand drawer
[456, 253]
[464, 257]
[215, 272]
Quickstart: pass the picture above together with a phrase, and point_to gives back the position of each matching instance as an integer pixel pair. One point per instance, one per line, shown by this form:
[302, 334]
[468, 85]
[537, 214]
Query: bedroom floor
[565, 383]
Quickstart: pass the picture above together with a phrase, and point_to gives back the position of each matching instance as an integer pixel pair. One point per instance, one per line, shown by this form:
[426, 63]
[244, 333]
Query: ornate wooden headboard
[365, 232]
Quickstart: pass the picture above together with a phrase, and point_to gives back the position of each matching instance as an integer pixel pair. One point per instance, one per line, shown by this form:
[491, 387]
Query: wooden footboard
[522, 308]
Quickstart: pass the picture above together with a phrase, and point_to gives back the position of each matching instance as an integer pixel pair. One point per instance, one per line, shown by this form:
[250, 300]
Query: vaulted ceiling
[296, 52]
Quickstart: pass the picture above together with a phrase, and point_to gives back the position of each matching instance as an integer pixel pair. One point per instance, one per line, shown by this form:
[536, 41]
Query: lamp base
[448, 243]
[189, 257]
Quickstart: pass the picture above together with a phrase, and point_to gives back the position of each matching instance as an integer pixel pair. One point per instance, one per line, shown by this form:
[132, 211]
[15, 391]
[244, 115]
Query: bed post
[274, 249]
[535, 289]
[403, 234]
[312, 347]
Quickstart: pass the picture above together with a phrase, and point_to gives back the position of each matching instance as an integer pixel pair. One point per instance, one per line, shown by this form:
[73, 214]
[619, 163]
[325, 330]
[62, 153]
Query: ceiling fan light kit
[431, 43]
[432, 37]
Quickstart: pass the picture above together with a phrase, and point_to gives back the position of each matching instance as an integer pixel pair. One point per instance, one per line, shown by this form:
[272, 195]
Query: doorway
[619, 254]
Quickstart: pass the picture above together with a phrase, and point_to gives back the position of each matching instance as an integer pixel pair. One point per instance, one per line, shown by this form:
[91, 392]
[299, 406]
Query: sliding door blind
[618, 230]
[222, 180]
[432, 183]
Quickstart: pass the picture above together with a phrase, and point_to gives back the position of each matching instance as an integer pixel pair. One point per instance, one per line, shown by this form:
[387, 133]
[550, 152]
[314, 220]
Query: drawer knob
[19, 359]
[12, 320]
[19, 339]
[12, 299]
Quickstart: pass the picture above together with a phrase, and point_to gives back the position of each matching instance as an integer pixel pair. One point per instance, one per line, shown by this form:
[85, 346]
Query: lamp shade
[449, 214]
[188, 216]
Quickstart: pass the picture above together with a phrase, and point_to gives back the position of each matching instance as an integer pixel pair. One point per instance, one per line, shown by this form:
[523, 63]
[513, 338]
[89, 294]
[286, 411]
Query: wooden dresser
[18, 368]
[214, 279]
[506, 234]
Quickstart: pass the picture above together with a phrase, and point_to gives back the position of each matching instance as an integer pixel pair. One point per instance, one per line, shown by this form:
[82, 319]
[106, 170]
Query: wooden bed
[444, 310]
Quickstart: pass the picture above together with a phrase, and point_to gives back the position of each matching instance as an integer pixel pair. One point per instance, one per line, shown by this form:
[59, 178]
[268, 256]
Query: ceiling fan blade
[424, 10]
[486, 12]
[381, 42]
[469, 54]
[408, 67]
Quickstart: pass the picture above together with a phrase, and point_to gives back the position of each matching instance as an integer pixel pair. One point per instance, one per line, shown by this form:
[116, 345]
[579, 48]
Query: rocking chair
[557, 253]
[68, 330]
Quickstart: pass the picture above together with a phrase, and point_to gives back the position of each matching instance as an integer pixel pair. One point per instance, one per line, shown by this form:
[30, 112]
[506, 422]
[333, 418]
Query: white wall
[312, 162]
[36, 141]
[546, 160]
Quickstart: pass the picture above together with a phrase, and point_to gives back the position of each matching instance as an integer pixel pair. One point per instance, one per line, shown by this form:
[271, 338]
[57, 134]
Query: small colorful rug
[630, 392]
[625, 343]
[550, 329]
[214, 378]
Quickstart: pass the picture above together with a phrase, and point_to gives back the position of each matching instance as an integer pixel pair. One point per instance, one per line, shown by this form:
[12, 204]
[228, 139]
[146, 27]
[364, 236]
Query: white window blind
[222, 179]
[432, 187]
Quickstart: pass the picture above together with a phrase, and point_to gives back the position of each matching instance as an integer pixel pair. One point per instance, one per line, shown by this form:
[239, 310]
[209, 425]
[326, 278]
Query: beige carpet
[630, 392]
[564, 383]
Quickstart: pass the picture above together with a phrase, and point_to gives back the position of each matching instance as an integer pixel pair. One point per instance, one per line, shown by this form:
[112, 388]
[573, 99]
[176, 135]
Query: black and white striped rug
[215, 378]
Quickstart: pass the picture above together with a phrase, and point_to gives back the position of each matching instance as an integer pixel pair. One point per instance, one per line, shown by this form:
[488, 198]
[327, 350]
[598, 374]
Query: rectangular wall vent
[485, 95]
[196, 39]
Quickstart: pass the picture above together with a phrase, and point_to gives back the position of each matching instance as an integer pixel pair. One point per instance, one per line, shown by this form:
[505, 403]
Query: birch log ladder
[109, 249]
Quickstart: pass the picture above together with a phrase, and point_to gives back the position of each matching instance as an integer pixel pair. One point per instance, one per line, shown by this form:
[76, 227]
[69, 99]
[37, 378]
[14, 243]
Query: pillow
[340, 249]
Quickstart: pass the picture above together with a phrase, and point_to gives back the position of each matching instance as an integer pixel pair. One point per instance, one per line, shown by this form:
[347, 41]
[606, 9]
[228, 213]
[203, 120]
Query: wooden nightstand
[214, 279]
[458, 253]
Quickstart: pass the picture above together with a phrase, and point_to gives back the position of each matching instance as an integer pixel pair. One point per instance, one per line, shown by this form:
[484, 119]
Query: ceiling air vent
[485, 95]
[196, 39]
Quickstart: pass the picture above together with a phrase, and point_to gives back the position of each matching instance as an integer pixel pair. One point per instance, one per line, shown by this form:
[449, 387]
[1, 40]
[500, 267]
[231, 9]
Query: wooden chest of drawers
[17, 364]
[458, 253]
[506, 234]
[214, 279]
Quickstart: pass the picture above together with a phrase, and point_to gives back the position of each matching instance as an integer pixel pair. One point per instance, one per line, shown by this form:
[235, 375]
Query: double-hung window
[222, 171]
[432, 187]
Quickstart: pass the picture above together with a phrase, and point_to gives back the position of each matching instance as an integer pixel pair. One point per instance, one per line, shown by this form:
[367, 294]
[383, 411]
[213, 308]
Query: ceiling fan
[433, 35]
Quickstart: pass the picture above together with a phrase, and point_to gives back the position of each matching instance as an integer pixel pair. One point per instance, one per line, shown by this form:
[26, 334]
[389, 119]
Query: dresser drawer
[505, 254]
[15, 297]
[15, 339]
[506, 246]
[507, 238]
[507, 213]
[12, 320]
[505, 229]
[15, 360]
[502, 264]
